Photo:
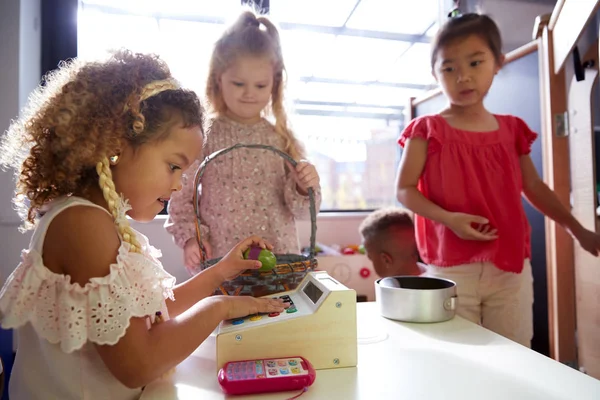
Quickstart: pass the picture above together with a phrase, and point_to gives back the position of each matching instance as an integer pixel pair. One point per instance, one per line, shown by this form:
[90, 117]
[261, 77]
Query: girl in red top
[463, 172]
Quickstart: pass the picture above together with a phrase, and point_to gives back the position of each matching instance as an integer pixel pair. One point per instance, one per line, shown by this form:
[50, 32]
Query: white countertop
[450, 360]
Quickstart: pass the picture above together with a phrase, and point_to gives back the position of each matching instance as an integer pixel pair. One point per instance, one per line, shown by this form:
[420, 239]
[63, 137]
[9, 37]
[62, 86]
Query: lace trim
[69, 314]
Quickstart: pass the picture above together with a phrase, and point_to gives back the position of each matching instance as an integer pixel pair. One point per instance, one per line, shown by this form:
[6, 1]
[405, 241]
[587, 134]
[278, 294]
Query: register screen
[312, 292]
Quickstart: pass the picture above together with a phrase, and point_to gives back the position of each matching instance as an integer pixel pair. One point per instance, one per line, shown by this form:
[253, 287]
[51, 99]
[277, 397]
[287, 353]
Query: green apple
[267, 258]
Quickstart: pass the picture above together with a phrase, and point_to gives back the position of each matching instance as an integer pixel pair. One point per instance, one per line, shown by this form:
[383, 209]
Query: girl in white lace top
[103, 141]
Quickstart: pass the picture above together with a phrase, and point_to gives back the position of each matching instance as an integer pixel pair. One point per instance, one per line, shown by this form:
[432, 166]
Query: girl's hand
[590, 241]
[234, 264]
[241, 306]
[192, 256]
[305, 175]
[471, 227]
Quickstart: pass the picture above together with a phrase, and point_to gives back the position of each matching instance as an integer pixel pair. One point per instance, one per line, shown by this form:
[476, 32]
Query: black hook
[578, 66]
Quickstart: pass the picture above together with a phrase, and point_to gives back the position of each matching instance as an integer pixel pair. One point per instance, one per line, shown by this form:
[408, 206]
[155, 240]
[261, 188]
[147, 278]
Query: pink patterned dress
[242, 193]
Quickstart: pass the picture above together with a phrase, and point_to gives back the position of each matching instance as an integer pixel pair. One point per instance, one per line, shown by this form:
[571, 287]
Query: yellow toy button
[255, 317]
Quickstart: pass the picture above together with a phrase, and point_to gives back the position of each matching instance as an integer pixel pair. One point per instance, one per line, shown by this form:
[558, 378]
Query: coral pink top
[476, 173]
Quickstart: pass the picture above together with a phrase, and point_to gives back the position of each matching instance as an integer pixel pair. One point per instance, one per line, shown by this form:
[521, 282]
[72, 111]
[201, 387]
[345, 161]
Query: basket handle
[218, 153]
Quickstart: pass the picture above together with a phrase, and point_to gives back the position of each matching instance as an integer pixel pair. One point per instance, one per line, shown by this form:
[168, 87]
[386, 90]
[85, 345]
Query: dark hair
[460, 27]
[380, 221]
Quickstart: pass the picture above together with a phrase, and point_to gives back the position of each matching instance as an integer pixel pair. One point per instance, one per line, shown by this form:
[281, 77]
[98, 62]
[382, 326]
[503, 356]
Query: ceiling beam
[405, 85]
[351, 13]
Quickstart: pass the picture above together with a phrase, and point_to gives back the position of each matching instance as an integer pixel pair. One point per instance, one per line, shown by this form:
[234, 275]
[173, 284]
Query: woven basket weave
[290, 268]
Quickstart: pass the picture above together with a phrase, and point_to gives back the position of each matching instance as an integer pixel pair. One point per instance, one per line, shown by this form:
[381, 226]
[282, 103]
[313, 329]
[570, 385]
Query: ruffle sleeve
[524, 136]
[422, 127]
[99, 312]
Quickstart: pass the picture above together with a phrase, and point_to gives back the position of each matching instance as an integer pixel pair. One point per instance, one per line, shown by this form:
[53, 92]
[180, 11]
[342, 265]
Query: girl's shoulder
[511, 122]
[518, 131]
[425, 127]
[133, 285]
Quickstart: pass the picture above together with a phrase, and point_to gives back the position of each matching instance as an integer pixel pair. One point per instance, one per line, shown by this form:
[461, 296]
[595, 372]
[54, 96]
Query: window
[352, 67]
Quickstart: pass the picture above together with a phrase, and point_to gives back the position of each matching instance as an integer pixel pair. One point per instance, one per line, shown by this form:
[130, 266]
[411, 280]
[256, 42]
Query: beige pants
[499, 301]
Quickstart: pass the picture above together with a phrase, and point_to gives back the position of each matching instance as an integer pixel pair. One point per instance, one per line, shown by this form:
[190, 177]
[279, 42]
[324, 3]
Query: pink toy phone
[268, 375]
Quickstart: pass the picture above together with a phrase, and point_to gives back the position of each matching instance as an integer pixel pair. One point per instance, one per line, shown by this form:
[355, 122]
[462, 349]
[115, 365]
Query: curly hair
[380, 221]
[83, 113]
[245, 37]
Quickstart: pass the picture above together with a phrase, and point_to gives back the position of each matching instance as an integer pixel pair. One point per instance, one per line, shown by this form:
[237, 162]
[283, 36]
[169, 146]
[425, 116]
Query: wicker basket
[290, 268]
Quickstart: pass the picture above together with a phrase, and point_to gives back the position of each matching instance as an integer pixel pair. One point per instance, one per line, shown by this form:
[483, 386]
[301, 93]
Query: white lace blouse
[58, 322]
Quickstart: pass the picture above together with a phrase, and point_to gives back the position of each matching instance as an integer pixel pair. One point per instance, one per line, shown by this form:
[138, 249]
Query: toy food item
[268, 259]
[348, 251]
[361, 249]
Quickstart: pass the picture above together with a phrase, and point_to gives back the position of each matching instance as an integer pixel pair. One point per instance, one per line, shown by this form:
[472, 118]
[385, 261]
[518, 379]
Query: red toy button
[364, 272]
[273, 314]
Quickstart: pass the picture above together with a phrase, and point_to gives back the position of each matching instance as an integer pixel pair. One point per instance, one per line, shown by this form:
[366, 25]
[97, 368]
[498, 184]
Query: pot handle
[450, 303]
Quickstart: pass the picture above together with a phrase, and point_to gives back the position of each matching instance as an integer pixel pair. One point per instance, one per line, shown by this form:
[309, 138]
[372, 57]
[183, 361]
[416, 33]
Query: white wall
[20, 49]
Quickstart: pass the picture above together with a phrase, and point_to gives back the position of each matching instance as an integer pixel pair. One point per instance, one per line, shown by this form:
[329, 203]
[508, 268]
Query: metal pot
[416, 298]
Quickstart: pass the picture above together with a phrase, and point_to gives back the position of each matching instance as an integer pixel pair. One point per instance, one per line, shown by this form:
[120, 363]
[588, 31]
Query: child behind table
[388, 236]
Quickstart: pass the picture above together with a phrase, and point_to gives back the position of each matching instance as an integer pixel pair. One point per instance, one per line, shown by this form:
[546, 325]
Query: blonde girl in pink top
[246, 191]
[99, 142]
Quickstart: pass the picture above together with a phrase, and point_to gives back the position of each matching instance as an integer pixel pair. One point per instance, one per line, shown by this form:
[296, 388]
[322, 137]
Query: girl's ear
[386, 258]
[500, 63]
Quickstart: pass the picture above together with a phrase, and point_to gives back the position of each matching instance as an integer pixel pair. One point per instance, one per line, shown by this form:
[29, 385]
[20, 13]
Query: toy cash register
[319, 325]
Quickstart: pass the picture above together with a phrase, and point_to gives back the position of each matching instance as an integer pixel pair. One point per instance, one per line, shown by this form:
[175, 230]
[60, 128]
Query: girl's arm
[539, 195]
[204, 283]
[411, 167]
[194, 289]
[84, 243]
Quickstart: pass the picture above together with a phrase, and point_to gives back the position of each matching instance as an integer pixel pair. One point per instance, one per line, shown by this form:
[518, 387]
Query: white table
[449, 360]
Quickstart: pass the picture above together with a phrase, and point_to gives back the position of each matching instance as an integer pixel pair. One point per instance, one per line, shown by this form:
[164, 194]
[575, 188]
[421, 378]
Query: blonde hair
[105, 180]
[245, 37]
[83, 115]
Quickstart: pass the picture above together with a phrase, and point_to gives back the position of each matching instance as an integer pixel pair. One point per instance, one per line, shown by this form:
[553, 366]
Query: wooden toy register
[319, 325]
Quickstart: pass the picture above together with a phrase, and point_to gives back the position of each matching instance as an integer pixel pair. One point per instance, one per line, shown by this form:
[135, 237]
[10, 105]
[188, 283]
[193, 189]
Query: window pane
[185, 8]
[188, 63]
[312, 12]
[400, 16]
[98, 33]
[356, 159]
[346, 94]
[414, 66]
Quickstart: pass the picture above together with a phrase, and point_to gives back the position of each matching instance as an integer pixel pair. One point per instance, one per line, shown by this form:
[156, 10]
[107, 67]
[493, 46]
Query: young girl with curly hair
[99, 142]
[246, 191]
